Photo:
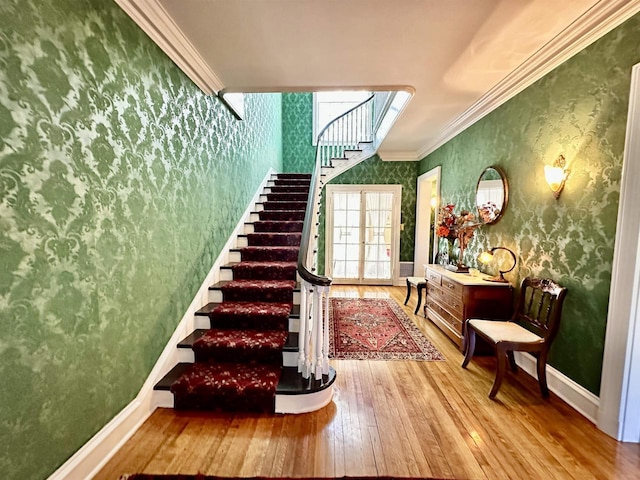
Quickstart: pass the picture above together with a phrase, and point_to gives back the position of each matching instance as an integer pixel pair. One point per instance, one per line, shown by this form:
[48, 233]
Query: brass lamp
[556, 175]
[487, 256]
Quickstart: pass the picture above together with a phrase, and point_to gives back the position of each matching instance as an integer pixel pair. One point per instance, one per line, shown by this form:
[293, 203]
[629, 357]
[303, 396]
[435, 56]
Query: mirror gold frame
[492, 195]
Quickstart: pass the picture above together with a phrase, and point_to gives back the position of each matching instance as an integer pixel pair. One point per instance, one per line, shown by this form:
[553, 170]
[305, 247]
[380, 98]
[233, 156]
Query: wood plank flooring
[396, 418]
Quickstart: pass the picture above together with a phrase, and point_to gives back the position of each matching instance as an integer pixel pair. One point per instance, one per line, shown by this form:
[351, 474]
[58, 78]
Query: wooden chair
[532, 328]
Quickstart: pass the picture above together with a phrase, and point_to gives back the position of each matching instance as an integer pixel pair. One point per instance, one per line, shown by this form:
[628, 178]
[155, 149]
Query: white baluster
[302, 339]
[318, 334]
[325, 317]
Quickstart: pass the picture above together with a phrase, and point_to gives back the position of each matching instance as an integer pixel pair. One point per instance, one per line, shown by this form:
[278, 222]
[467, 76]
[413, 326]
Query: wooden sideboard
[454, 297]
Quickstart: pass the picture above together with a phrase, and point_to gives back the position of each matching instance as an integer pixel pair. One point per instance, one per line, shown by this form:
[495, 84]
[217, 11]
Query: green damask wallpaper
[115, 200]
[374, 171]
[579, 110]
[298, 153]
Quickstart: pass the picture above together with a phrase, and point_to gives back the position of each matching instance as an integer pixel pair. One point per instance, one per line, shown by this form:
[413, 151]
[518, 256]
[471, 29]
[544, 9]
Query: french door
[363, 233]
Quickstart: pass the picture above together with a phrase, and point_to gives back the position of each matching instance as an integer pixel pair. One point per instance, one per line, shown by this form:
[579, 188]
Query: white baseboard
[573, 394]
[94, 454]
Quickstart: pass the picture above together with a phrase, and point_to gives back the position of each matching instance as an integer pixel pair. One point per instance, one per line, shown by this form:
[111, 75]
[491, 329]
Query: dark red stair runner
[278, 226]
[260, 270]
[281, 215]
[277, 238]
[238, 361]
[251, 315]
[270, 254]
[241, 346]
[229, 387]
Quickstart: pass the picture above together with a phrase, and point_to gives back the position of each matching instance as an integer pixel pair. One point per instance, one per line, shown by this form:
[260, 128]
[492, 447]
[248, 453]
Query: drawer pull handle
[451, 286]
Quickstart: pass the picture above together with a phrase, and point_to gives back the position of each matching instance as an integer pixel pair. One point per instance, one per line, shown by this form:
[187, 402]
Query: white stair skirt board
[94, 454]
[573, 394]
[304, 403]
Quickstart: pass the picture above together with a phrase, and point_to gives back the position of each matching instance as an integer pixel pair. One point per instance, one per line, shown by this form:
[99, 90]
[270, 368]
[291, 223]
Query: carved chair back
[540, 306]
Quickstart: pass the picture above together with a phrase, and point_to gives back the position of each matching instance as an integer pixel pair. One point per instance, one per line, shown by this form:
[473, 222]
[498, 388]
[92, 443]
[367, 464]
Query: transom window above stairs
[329, 105]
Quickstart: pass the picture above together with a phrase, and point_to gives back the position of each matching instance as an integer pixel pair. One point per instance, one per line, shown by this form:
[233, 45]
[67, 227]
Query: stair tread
[171, 376]
[222, 283]
[217, 376]
[216, 337]
[189, 340]
[292, 383]
[291, 344]
[211, 306]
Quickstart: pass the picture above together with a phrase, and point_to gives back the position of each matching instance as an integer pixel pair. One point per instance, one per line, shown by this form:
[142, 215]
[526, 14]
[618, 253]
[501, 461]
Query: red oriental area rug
[375, 329]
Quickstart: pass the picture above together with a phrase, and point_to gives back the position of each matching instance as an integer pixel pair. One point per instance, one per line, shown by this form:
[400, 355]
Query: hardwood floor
[395, 418]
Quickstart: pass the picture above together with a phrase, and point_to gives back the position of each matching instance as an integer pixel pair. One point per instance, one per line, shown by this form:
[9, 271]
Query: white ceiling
[461, 58]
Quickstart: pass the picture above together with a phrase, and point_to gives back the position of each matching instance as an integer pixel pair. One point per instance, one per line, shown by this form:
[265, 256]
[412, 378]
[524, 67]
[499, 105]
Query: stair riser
[243, 241]
[226, 274]
[186, 355]
[289, 359]
[202, 321]
[215, 296]
[284, 403]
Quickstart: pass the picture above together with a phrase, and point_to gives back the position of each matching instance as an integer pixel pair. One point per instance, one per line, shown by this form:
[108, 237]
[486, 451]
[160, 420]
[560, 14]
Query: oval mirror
[492, 194]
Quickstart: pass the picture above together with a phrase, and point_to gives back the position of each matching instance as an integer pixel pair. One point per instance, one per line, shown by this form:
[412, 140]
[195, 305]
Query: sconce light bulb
[485, 257]
[554, 176]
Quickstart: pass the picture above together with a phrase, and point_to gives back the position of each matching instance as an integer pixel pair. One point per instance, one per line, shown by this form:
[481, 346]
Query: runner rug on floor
[143, 476]
[375, 329]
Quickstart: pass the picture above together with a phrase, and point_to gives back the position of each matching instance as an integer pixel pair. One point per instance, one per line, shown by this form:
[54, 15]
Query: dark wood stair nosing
[292, 383]
[176, 372]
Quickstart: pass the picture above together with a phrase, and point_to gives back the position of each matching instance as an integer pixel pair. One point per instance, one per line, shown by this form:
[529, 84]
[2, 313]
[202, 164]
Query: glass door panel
[346, 235]
[377, 239]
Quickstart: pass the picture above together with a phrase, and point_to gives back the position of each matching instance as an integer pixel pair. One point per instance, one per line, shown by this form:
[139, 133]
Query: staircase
[245, 359]
[263, 342]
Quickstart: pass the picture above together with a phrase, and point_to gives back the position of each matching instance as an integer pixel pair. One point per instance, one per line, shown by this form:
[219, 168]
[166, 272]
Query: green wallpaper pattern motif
[115, 200]
[298, 153]
[580, 110]
[375, 171]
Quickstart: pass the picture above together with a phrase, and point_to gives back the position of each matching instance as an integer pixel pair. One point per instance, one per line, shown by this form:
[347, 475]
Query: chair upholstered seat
[505, 331]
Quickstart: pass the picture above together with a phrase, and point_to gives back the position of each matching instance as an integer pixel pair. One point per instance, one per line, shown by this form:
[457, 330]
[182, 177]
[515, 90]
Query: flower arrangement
[452, 227]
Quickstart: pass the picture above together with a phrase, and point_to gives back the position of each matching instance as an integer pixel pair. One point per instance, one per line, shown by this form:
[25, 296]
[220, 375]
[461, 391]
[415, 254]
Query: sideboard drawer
[453, 287]
[453, 303]
[434, 278]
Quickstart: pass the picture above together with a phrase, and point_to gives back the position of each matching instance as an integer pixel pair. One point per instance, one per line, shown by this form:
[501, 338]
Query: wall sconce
[556, 175]
[486, 257]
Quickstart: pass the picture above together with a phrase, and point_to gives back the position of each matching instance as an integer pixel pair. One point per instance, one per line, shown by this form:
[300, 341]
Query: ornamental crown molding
[154, 20]
[592, 25]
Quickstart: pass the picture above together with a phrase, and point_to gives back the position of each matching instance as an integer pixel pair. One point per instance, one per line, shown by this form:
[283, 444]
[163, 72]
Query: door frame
[395, 223]
[428, 186]
[619, 402]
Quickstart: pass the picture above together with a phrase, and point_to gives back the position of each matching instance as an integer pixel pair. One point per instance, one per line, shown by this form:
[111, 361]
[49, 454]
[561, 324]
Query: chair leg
[470, 344]
[542, 373]
[419, 287]
[512, 361]
[501, 356]
[406, 300]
